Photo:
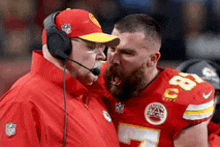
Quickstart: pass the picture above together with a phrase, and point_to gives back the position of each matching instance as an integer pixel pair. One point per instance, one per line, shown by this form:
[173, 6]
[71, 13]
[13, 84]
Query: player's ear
[154, 58]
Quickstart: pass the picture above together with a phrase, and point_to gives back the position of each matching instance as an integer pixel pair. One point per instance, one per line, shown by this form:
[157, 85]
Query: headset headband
[49, 22]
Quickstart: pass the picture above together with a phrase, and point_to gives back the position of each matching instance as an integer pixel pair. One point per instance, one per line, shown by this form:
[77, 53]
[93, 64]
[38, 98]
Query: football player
[154, 106]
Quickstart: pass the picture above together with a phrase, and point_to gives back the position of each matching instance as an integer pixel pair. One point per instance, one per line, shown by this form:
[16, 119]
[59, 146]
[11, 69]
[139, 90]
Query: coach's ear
[154, 58]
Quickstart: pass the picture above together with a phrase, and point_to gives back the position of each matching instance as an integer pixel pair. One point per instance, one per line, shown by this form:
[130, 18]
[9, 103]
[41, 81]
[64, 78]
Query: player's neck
[150, 77]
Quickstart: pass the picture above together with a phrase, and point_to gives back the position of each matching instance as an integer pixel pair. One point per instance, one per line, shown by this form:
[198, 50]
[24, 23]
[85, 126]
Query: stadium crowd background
[190, 28]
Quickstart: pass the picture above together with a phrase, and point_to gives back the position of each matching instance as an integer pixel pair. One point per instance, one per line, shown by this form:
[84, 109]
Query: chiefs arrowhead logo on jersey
[155, 113]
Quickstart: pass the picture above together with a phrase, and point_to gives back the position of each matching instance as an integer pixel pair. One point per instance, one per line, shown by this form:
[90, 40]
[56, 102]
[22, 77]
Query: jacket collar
[47, 70]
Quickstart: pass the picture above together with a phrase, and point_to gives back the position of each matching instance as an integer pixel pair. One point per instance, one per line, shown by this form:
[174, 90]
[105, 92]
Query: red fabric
[133, 127]
[214, 140]
[214, 128]
[214, 132]
[80, 21]
[35, 103]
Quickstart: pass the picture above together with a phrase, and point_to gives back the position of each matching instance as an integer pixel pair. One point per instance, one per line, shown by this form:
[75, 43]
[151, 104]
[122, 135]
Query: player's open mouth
[116, 80]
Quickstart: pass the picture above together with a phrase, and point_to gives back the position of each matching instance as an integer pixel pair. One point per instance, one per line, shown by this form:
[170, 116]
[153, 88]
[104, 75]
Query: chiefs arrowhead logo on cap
[210, 75]
[208, 72]
[94, 20]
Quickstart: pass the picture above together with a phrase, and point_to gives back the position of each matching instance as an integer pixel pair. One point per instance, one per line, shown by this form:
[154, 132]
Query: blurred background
[190, 28]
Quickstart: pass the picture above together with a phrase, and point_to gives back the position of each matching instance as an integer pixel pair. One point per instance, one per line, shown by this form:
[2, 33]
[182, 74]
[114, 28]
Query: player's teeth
[116, 81]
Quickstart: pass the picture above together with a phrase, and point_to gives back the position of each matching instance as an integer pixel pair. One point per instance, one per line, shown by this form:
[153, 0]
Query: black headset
[58, 42]
[59, 46]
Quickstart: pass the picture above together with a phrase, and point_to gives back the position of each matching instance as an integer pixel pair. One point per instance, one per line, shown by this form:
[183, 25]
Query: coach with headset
[50, 105]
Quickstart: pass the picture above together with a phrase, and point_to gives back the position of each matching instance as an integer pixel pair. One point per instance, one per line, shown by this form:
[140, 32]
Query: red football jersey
[172, 102]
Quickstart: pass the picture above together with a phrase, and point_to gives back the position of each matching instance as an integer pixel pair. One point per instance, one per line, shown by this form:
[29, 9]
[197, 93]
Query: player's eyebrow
[128, 51]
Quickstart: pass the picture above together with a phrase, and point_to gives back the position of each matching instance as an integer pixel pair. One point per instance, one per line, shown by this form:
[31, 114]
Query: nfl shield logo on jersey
[11, 129]
[155, 113]
[119, 108]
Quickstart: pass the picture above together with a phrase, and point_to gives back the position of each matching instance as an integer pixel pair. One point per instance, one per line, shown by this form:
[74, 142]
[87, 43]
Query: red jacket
[32, 112]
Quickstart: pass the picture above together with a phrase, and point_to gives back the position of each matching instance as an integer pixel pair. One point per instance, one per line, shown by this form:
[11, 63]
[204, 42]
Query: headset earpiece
[57, 41]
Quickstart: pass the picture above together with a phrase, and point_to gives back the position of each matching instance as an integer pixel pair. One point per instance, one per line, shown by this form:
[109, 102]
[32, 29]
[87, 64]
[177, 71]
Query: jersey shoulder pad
[193, 92]
[203, 103]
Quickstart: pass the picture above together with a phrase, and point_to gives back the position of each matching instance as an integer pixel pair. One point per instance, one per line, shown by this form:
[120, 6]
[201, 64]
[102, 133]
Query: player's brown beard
[131, 85]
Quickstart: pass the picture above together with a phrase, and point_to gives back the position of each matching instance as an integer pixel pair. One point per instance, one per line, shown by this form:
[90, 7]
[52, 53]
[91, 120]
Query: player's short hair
[140, 22]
